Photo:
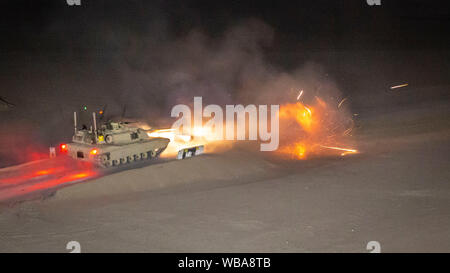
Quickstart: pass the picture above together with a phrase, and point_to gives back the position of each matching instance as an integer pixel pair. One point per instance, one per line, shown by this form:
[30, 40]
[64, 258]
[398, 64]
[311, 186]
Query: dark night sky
[55, 57]
[319, 24]
[55, 31]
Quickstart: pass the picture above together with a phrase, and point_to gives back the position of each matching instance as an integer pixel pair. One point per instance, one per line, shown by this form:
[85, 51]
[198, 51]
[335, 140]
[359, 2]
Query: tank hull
[108, 155]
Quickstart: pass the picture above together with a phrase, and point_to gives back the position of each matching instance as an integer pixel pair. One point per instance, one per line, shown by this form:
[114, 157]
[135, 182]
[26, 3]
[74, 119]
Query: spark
[346, 150]
[309, 110]
[300, 95]
[342, 101]
[347, 132]
[399, 86]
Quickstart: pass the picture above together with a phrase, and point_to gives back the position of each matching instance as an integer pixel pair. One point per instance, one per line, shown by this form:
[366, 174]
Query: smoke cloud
[142, 75]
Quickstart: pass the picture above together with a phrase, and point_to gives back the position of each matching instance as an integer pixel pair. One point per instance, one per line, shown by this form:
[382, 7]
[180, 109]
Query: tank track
[104, 160]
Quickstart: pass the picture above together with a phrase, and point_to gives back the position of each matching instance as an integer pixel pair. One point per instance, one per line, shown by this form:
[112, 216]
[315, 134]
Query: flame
[301, 113]
[295, 151]
[197, 136]
[306, 130]
[313, 129]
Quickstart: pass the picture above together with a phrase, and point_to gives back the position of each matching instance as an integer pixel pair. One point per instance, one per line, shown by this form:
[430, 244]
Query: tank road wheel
[103, 159]
[144, 156]
[123, 160]
[137, 157]
[152, 153]
[115, 162]
[109, 139]
[130, 158]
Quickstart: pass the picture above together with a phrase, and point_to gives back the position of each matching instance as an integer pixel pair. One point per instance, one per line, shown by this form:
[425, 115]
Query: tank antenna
[95, 126]
[75, 122]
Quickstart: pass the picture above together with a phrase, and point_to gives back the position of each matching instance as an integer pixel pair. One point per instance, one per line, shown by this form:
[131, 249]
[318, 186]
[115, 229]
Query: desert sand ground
[396, 192]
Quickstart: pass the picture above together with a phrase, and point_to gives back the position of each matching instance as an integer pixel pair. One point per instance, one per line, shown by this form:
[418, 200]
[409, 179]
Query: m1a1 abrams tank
[113, 144]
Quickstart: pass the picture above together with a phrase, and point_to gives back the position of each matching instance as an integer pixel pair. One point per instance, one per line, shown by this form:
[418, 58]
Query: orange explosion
[315, 129]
